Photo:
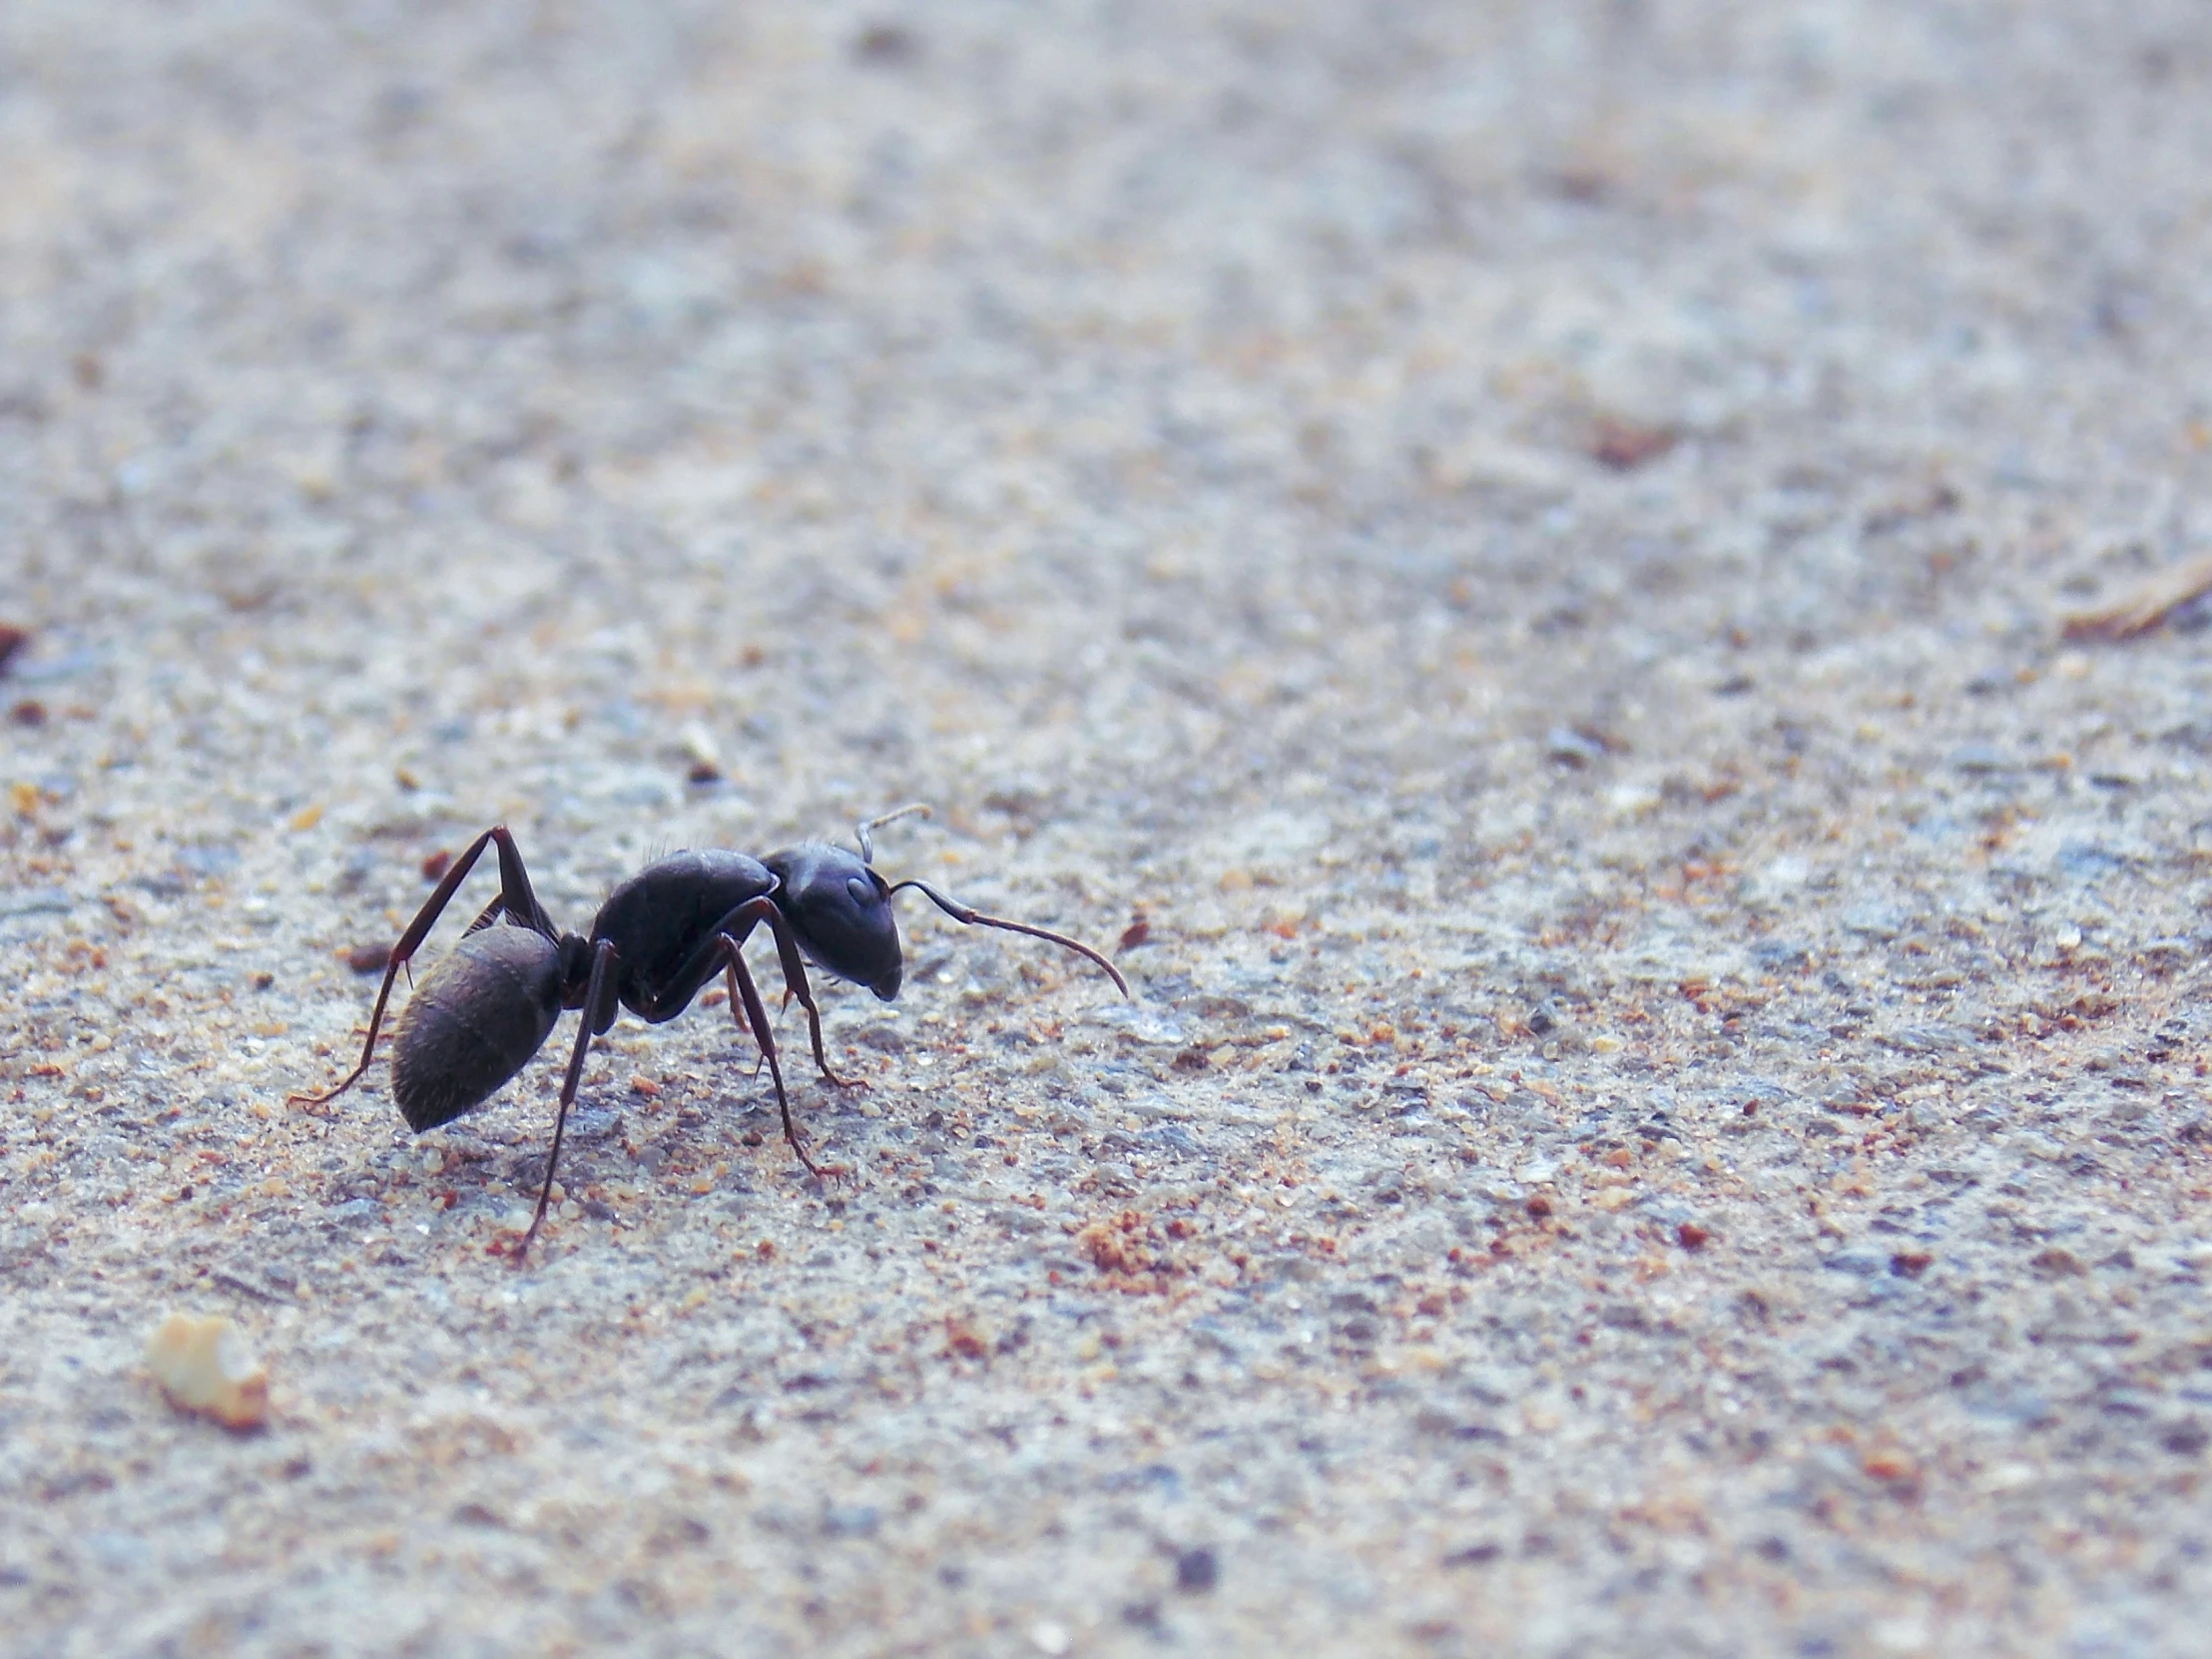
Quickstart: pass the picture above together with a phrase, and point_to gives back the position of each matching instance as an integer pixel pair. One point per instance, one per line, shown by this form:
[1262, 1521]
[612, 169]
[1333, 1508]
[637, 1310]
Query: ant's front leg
[515, 897]
[706, 960]
[796, 985]
[757, 1015]
[723, 952]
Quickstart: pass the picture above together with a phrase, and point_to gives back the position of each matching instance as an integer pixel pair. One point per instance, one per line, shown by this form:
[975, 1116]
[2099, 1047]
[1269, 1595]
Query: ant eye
[863, 895]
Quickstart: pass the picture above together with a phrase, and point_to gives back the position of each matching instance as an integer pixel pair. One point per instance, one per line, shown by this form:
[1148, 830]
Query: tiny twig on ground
[2148, 606]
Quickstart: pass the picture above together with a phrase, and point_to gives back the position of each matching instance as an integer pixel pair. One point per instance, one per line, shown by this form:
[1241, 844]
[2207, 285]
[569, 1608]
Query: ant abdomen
[473, 1022]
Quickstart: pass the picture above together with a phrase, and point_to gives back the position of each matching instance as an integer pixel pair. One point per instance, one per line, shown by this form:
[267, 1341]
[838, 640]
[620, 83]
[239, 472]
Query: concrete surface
[1664, 1112]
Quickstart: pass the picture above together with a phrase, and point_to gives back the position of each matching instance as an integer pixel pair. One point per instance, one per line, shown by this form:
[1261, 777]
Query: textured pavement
[1510, 560]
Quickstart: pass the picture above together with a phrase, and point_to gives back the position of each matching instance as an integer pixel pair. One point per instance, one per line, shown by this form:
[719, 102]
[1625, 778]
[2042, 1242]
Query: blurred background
[1058, 413]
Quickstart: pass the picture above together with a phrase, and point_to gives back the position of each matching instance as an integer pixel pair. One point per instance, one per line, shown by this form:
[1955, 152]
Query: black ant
[657, 941]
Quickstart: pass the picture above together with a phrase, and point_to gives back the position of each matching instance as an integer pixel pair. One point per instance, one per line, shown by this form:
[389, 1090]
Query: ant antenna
[863, 832]
[968, 916]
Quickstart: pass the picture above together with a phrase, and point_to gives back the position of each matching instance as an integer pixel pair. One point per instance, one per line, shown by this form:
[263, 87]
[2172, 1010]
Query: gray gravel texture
[1663, 1110]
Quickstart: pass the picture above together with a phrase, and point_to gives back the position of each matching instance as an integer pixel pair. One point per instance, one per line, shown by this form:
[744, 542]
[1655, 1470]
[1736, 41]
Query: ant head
[841, 912]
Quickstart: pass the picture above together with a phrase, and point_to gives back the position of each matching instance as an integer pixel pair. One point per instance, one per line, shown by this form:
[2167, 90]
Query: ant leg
[515, 897]
[976, 918]
[758, 1018]
[795, 984]
[599, 1008]
[489, 916]
[724, 953]
[736, 1013]
[737, 1002]
[706, 960]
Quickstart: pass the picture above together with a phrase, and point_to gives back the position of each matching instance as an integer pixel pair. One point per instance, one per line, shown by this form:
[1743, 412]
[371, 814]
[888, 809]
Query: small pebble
[1197, 1572]
[701, 752]
[205, 1366]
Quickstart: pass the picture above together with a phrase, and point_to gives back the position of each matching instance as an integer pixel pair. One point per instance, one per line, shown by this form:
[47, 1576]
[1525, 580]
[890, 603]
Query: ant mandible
[660, 938]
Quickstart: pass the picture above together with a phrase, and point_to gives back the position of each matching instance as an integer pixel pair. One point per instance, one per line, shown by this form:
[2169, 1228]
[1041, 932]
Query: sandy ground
[1528, 545]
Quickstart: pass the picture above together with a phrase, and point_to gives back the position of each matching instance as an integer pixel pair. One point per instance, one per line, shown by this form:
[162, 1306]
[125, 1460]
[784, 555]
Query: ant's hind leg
[515, 897]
